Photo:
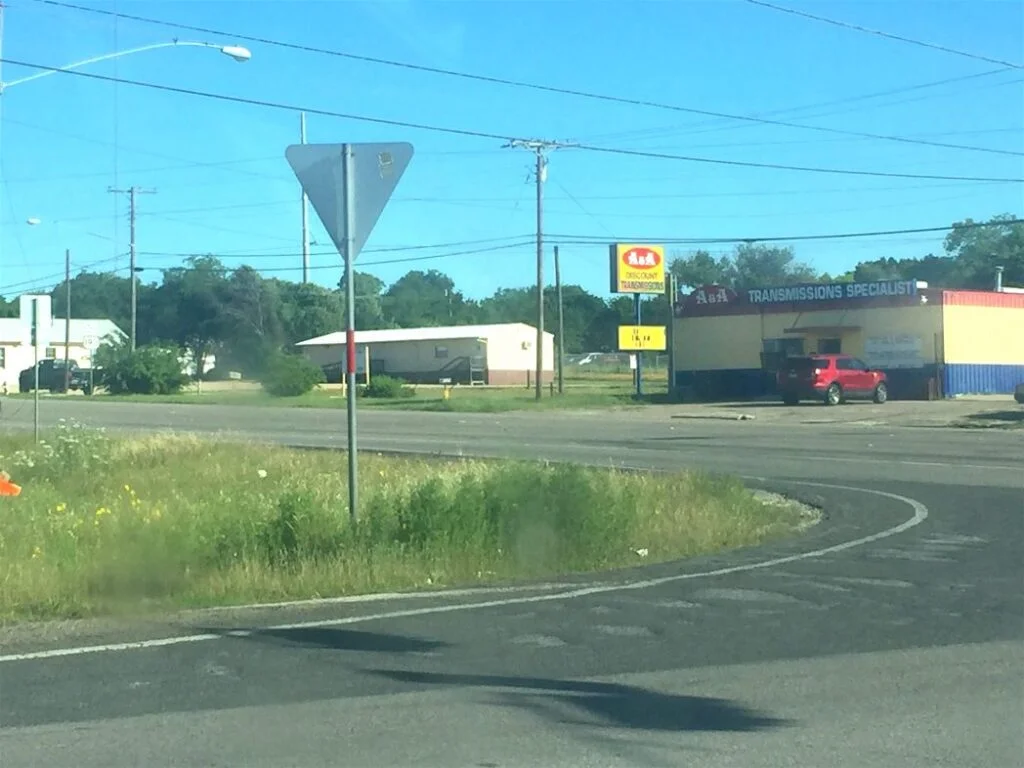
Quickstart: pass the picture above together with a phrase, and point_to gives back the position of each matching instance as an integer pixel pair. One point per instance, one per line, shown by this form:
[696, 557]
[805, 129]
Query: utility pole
[539, 149]
[561, 323]
[132, 192]
[67, 319]
[305, 209]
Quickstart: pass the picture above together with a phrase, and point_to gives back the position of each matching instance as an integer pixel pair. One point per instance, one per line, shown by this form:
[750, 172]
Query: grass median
[110, 525]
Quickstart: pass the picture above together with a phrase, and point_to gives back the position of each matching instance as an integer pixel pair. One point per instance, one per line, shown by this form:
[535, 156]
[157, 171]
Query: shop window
[830, 346]
[3, 357]
[786, 347]
[441, 352]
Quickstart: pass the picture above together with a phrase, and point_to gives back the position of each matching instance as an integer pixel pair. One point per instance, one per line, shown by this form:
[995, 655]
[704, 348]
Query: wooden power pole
[132, 192]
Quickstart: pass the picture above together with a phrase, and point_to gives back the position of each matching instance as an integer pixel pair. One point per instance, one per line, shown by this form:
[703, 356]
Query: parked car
[1018, 393]
[52, 377]
[832, 379]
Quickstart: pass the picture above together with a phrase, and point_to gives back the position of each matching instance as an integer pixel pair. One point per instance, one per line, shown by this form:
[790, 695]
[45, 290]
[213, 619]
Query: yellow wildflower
[62, 507]
[36, 553]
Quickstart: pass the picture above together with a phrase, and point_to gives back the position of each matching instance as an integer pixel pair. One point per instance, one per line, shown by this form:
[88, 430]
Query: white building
[16, 353]
[502, 354]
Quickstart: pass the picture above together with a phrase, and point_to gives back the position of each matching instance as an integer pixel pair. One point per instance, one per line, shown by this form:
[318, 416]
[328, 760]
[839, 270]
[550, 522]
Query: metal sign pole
[671, 291]
[639, 353]
[349, 194]
[35, 353]
[348, 174]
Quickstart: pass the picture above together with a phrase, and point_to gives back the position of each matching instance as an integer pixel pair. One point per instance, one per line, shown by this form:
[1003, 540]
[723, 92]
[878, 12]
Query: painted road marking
[919, 516]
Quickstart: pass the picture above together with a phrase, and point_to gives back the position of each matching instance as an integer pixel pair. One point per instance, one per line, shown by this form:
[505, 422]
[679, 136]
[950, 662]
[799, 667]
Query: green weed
[158, 522]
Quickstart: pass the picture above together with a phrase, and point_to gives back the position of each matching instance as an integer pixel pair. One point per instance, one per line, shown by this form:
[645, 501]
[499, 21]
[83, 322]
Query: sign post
[349, 186]
[670, 289]
[637, 269]
[35, 369]
[639, 355]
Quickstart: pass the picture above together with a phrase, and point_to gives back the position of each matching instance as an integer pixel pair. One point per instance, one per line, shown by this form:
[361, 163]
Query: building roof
[12, 330]
[420, 334]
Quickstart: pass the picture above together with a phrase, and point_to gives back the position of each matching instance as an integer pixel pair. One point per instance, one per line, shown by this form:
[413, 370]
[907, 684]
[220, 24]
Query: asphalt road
[892, 634]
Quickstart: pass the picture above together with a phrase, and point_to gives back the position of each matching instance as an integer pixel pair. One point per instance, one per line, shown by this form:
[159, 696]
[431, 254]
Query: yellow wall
[992, 335]
[717, 343]
[735, 341]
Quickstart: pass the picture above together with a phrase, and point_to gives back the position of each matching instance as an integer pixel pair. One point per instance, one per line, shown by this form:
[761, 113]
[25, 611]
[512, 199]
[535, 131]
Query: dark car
[1018, 393]
[54, 376]
[831, 379]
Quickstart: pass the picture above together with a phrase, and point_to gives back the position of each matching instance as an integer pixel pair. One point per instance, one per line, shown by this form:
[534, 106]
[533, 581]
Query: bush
[291, 376]
[386, 388]
[148, 370]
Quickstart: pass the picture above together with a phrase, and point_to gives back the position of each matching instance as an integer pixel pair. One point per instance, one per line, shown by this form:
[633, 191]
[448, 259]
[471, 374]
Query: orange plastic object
[7, 488]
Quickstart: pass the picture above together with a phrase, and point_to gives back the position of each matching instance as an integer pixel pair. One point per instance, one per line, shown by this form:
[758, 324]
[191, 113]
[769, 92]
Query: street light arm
[236, 52]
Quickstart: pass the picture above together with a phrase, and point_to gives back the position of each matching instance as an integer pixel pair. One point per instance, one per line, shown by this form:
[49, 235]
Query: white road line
[919, 516]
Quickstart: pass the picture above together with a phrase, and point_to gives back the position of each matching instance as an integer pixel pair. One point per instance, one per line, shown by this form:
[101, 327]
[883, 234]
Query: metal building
[503, 354]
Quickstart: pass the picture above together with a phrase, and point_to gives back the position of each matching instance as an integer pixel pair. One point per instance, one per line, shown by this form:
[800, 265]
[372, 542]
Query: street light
[236, 52]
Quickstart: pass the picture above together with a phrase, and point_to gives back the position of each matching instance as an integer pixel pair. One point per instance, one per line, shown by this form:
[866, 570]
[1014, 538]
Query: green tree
[369, 306]
[309, 310]
[252, 327]
[100, 295]
[191, 308]
[427, 299]
[701, 268]
[978, 250]
[760, 265]
[751, 265]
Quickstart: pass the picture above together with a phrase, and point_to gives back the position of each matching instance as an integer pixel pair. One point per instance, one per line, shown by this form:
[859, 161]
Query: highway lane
[827, 451]
[903, 651]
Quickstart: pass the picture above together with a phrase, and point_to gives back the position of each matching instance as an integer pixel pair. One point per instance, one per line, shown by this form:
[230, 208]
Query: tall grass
[106, 525]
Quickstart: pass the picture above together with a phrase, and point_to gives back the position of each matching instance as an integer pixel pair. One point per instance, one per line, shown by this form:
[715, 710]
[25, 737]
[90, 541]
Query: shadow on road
[333, 638]
[1007, 418]
[572, 702]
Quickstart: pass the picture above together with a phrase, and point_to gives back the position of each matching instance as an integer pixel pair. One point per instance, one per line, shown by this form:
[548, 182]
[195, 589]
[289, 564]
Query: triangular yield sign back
[376, 170]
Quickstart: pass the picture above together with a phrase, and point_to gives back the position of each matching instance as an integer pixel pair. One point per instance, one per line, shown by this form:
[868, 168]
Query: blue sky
[224, 187]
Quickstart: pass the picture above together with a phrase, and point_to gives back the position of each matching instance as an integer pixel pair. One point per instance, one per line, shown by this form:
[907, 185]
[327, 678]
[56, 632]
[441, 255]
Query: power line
[717, 124]
[570, 239]
[36, 281]
[582, 239]
[523, 84]
[514, 199]
[506, 139]
[383, 249]
[594, 240]
[879, 33]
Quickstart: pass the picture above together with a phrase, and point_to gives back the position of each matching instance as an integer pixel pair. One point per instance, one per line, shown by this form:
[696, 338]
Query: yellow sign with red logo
[637, 268]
